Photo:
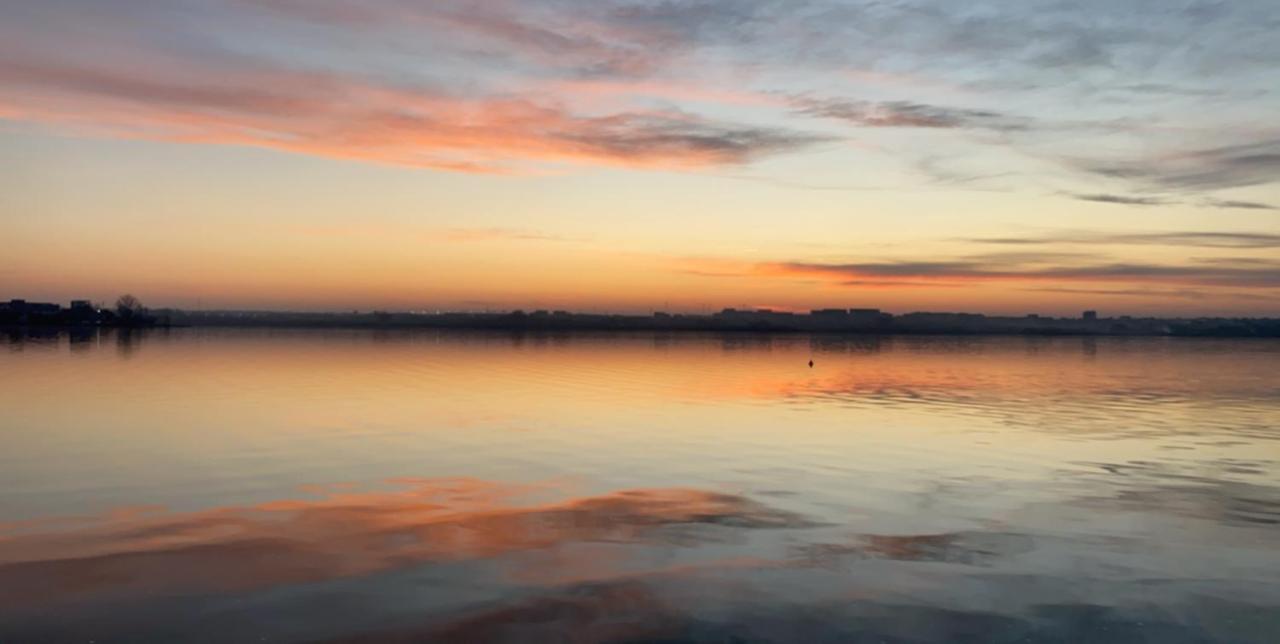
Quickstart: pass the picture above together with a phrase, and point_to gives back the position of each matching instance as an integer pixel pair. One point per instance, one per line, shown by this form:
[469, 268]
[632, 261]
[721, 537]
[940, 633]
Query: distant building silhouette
[839, 314]
[81, 313]
[19, 311]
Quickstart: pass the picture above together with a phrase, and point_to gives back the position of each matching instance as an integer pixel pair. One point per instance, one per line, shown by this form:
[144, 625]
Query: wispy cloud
[577, 44]
[898, 284]
[1242, 205]
[1257, 275]
[499, 85]
[1169, 200]
[1122, 199]
[902, 114]
[1187, 294]
[1063, 268]
[1230, 166]
[1095, 238]
[353, 118]
[1266, 275]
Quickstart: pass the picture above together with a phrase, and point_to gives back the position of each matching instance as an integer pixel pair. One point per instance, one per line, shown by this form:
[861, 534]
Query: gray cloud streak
[1163, 200]
[1223, 167]
[1020, 267]
[1122, 200]
[1241, 205]
[902, 114]
[1193, 239]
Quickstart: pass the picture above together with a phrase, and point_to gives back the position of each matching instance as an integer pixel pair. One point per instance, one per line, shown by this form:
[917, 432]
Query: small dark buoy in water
[810, 364]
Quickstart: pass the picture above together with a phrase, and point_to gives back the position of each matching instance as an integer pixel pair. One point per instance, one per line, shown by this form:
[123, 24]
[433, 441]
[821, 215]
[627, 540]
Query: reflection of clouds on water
[664, 611]
[968, 548]
[939, 489]
[290, 542]
[468, 560]
[1216, 491]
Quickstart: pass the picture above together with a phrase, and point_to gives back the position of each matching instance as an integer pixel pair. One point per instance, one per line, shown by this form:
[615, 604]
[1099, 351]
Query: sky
[1001, 156]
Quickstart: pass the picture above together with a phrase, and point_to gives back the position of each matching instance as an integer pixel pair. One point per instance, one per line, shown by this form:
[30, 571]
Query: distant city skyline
[1000, 156]
[77, 311]
[106, 303]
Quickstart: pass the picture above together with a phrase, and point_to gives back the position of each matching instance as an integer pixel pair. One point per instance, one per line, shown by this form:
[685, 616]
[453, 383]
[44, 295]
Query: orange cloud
[352, 118]
[1000, 268]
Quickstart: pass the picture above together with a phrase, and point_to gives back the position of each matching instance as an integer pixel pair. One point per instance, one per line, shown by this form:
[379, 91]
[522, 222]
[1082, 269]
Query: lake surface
[362, 486]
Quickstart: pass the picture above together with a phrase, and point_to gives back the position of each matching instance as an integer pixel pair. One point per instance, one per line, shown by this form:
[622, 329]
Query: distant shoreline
[906, 325]
[129, 314]
[60, 328]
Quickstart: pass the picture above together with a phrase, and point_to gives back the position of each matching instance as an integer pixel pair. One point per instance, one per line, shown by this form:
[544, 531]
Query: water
[253, 485]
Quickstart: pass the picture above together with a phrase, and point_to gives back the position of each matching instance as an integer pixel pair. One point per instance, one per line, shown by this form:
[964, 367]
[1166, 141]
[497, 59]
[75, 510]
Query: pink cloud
[352, 118]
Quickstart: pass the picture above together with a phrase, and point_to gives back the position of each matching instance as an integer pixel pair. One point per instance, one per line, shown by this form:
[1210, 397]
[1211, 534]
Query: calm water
[281, 486]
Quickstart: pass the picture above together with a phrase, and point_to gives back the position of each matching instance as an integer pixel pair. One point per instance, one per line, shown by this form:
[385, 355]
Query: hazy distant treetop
[128, 306]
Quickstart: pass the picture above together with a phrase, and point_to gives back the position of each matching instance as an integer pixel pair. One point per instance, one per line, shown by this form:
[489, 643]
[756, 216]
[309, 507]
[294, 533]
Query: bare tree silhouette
[129, 307]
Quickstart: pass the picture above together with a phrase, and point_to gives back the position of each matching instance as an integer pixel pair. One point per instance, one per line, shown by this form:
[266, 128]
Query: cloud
[248, 95]
[1153, 200]
[1131, 292]
[1244, 205]
[1161, 89]
[683, 137]
[1231, 166]
[1121, 199]
[494, 86]
[515, 32]
[1188, 294]
[354, 118]
[1250, 272]
[897, 284]
[902, 114]
[576, 39]
[1192, 239]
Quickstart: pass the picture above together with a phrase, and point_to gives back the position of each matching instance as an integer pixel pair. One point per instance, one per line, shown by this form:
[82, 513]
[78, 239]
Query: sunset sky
[1003, 156]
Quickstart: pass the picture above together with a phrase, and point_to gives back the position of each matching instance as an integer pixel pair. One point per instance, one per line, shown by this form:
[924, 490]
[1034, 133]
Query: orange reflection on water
[513, 369]
[342, 535]
[228, 405]
[1051, 447]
